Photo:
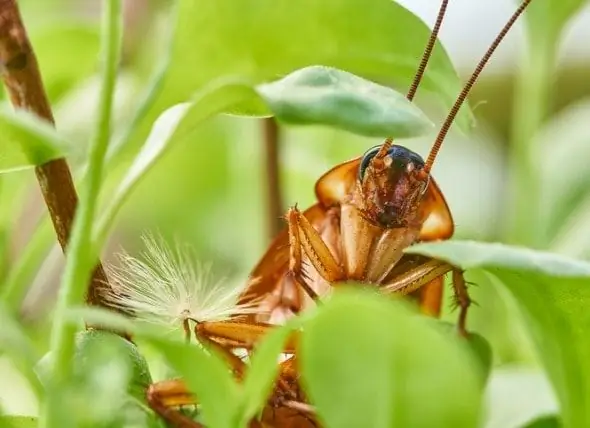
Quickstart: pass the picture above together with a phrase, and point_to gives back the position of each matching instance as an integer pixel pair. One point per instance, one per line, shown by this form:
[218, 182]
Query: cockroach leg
[417, 276]
[235, 334]
[462, 298]
[238, 366]
[163, 396]
[304, 239]
[426, 273]
[209, 334]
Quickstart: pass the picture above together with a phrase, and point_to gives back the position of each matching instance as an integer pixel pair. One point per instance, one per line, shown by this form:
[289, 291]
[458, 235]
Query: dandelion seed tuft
[166, 286]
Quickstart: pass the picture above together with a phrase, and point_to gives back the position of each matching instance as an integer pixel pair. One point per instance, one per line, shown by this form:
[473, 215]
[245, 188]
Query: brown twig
[20, 73]
[274, 200]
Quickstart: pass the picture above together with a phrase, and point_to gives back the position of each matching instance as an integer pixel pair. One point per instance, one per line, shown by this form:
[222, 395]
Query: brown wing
[274, 263]
[337, 184]
[439, 221]
[438, 225]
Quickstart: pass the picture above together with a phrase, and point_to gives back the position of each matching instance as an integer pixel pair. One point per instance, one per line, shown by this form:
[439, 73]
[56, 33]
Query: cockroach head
[392, 180]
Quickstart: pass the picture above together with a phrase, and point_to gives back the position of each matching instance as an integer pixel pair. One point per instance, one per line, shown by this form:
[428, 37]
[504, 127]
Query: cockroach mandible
[369, 210]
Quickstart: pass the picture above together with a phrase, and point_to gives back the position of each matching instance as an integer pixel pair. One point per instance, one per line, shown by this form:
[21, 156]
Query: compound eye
[369, 154]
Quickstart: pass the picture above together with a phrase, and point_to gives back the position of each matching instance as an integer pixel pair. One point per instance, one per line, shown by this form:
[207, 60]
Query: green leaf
[27, 140]
[370, 361]
[89, 341]
[263, 369]
[173, 125]
[260, 40]
[207, 376]
[109, 375]
[553, 292]
[479, 347]
[328, 96]
[18, 422]
[516, 395]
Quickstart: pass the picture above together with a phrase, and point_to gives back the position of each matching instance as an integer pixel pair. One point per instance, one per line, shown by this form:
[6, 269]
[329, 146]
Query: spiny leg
[304, 239]
[415, 277]
[412, 279]
[462, 298]
[236, 334]
[237, 364]
[163, 396]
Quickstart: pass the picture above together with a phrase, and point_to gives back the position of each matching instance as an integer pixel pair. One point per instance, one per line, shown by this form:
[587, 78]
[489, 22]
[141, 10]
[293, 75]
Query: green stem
[43, 237]
[80, 256]
[531, 99]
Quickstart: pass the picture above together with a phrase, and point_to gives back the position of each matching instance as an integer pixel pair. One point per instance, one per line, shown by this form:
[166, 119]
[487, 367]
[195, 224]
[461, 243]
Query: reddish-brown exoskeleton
[369, 210]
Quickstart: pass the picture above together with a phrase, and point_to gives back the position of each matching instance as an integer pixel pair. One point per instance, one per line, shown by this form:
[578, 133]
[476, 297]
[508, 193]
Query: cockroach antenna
[424, 61]
[463, 95]
[428, 51]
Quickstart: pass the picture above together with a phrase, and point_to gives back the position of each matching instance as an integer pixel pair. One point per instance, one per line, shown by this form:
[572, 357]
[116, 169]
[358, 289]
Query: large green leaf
[18, 422]
[371, 362]
[27, 140]
[262, 40]
[553, 293]
[328, 96]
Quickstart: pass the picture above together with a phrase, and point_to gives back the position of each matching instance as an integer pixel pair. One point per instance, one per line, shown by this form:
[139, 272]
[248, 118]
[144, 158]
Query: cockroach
[369, 210]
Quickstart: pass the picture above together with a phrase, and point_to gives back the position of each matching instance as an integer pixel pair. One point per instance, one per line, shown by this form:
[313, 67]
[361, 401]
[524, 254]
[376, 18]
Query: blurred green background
[210, 191]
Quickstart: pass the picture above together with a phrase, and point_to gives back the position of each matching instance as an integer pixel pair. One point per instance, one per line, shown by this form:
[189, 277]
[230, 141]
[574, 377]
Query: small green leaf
[27, 141]
[328, 96]
[263, 369]
[18, 422]
[107, 371]
[371, 362]
[553, 293]
[90, 340]
[207, 376]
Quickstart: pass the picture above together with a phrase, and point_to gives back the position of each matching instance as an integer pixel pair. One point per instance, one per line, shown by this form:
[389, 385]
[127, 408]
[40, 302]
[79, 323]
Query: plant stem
[40, 242]
[21, 76]
[273, 183]
[80, 254]
[532, 94]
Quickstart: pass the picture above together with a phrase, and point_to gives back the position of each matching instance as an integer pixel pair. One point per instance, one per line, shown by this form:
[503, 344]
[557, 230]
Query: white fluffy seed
[166, 286]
